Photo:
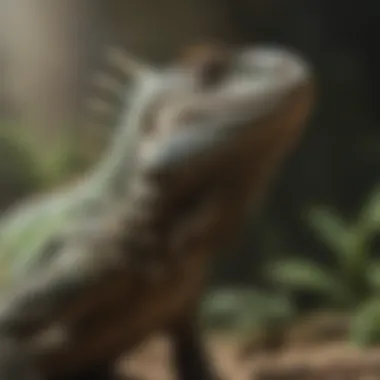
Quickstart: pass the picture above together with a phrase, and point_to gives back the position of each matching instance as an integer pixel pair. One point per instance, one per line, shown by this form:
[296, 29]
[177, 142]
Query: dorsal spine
[111, 107]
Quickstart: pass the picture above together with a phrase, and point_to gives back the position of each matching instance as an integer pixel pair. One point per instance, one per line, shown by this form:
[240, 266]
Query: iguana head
[218, 106]
[215, 127]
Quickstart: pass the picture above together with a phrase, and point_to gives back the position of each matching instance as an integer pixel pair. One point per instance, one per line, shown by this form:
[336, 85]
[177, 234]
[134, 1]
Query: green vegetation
[354, 284]
[350, 287]
[243, 309]
[252, 316]
[43, 164]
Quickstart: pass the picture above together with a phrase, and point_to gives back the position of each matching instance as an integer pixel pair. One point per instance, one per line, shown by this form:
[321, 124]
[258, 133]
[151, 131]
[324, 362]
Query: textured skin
[213, 133]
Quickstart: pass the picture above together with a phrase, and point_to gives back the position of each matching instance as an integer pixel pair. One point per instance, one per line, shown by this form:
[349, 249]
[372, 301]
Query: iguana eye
[212, 71]
[210, 65]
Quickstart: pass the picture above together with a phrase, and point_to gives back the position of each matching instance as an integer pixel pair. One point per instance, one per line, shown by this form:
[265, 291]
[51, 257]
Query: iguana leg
[190, 359]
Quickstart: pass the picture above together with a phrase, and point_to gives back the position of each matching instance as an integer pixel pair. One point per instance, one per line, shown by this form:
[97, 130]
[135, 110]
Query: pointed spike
[125, 62]
[107, 82]
[99, 105]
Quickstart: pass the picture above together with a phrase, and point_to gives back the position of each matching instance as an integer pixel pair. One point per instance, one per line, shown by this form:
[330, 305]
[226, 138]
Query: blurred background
[313, 250]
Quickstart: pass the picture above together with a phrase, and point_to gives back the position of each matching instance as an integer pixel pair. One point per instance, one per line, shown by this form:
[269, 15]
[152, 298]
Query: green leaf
[222, 308]
[365, 327]
[370, 213]
[345, 241]
[243, 309]
[304, 275]
[373, 275]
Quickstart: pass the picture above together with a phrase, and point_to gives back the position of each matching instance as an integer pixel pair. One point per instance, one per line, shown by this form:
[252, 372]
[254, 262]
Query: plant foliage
[355, 282]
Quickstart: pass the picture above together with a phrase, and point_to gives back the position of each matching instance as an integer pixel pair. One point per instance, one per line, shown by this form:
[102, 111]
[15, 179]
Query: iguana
[214, 129]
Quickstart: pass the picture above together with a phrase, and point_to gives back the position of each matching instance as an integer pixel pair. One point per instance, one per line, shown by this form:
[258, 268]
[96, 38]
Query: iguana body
[208, 147]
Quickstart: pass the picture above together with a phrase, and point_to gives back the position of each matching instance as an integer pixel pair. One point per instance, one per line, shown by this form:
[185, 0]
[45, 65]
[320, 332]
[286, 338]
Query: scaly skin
[214, 132]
